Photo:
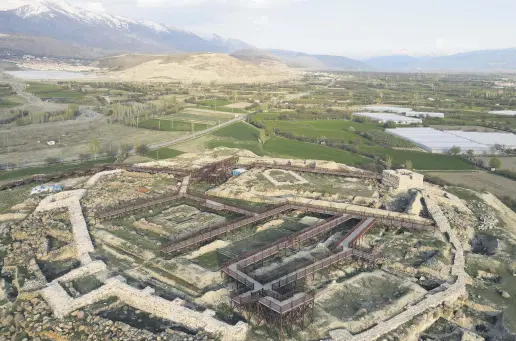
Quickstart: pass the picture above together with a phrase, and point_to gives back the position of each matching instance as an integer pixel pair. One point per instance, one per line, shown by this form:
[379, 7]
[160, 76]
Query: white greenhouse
[386, 108]
[506, 139]
[385, 117]
[436, 141]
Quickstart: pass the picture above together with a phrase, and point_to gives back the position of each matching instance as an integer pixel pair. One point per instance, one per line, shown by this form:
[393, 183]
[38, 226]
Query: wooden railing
[204, 237]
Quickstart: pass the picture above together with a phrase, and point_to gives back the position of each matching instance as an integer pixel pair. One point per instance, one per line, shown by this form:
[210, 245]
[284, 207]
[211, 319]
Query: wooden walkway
[201, 238]
[267, 294]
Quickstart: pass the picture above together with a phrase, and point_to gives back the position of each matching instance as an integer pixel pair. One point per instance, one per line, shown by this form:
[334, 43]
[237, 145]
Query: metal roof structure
[490, 139]
[503, 112]
[386, 117]
[386, 108]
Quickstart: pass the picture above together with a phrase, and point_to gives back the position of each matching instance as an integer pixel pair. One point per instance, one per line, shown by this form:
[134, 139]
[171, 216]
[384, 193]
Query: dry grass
[480, 181]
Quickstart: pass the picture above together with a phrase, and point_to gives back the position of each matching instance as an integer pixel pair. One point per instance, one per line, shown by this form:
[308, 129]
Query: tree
[408, 164]
[389, 124]
[142, 149]
[125, 149]
[455, 150]
[95, 147]
[471, 153]
[388, 162]
[495, 162]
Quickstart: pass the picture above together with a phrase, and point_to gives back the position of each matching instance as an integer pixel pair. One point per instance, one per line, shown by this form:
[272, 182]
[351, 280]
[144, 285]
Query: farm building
[506, 139]
[385, 117]
[386, 108]
[503, 112]
[422, 114]
[436, 141]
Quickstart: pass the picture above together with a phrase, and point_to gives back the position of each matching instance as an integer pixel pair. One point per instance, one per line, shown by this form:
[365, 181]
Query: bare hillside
[195, 67]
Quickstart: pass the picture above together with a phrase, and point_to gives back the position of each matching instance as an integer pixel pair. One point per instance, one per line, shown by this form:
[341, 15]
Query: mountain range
[74, 25]
[56, 28]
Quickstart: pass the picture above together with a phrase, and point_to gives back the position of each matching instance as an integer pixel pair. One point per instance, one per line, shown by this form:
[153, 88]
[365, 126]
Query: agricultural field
[53, 91]
[508, 162]
[480, 181]
[164, 153]
[7, 176]
[239, 131]
[27, 145]
[172, 125]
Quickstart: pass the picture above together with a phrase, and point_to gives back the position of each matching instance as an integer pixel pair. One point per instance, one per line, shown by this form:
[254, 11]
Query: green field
[172, 125]
[45, 90]
[302, 150]
[10, 102]
[239, 131]
[254, 147]
[346, 133]
[420, 160]
[164, 153]
[281, 147]
[215, 102]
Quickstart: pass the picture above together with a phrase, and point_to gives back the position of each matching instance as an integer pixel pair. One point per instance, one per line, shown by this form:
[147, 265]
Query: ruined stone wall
[402, 179]
[452, 294]
[144, 300]
[95, 178]
[71, 200]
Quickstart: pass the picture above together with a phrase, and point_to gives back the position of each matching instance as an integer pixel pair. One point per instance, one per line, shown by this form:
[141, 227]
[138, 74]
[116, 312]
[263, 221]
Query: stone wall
[402, 179]
[95, 178]
[452, 294]
[71, 200]
[144, 300]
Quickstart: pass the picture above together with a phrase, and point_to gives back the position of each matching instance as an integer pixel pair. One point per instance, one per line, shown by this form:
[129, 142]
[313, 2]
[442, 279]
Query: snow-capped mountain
[60, 20]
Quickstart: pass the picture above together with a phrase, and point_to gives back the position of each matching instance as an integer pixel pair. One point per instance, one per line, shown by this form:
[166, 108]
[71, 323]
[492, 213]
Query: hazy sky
[342, 27]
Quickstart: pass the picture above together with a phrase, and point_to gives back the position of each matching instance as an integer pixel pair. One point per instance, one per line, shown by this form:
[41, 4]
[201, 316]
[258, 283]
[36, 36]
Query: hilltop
[195, 67]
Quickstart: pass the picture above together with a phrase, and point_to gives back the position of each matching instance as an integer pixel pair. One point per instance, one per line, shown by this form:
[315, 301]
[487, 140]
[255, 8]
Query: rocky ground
[413, 266]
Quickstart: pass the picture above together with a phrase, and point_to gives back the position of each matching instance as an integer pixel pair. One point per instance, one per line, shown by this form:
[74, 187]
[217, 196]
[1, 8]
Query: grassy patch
[52, 169]
[164, 153]
[173, 125]
[211, 260]
[46, 90]
[137, 239]
[239, 131]
[6, 103]
[86, 284]
[179, 281]
[13, 197]
[215, 102]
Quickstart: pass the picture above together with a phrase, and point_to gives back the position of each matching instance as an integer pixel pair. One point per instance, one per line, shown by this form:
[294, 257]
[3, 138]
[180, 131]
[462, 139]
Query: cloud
[262, 20]
[95, 6]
